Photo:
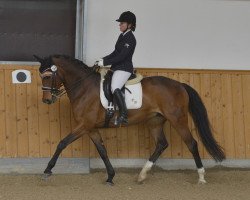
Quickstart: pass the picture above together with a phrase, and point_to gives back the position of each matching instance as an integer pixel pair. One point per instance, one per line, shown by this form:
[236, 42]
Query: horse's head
[51, 81]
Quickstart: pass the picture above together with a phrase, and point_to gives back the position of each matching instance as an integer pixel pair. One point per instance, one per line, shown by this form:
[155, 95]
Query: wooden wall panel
[33, 114]
[141, 141]
[2, 114]
[122, 142]
[43, 123]
[238, 116]
[216, 108]
[85, 146]
[11, 116]
[228, 121]
[22, 118]
[133, 142]
[30, 128]
[54, 125]
[111, 142]
[246, 109]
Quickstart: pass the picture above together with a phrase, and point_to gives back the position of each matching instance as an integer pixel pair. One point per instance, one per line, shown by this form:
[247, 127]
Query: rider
[121, 61]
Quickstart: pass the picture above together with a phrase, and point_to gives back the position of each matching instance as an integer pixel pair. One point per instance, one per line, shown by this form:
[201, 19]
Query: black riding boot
[123, 117]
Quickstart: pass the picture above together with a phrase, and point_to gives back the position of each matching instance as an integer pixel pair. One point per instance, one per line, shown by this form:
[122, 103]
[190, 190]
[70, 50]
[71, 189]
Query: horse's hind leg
[97, 140]
[181, 125]
[155, 126]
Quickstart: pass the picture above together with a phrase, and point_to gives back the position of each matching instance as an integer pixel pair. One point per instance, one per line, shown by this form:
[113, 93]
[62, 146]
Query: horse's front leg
[97, 140]
[62, 145]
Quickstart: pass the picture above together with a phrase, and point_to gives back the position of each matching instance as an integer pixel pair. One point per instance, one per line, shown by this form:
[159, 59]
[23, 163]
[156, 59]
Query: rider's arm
[128, 47]
[110, 55]
[114, 53]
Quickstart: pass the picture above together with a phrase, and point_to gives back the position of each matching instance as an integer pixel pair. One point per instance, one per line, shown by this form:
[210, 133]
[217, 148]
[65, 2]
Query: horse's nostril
[47, 101]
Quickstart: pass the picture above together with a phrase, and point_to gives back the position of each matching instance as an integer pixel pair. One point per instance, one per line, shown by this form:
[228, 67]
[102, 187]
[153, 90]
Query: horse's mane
[76, 62]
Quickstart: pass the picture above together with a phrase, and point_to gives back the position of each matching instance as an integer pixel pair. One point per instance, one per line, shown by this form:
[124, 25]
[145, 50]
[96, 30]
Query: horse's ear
[38, 58]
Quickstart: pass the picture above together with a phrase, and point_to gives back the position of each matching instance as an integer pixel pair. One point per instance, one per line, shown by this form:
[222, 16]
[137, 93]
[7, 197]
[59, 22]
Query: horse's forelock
[46, 63]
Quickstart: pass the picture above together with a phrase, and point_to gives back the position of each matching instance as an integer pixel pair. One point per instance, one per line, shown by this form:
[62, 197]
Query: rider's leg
[118, 80]
[120, 101]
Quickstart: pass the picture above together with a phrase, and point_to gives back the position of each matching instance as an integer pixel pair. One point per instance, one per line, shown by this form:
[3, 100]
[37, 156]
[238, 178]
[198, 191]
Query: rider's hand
[99, 62]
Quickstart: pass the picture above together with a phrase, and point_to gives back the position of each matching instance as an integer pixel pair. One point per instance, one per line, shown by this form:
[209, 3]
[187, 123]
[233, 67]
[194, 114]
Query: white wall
[209, 34]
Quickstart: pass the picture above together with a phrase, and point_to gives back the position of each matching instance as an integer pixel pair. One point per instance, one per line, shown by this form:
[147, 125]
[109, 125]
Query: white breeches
[119, 79]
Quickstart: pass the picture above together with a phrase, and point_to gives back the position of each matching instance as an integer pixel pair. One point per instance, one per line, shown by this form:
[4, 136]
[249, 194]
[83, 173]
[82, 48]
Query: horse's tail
[199, 114]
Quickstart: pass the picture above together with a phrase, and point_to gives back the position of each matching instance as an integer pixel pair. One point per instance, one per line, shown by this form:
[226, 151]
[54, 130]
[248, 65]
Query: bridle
[52, 73]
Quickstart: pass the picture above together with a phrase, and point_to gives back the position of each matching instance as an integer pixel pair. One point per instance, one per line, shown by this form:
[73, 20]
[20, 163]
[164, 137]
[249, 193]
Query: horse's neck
[71, 76]
[76, 82]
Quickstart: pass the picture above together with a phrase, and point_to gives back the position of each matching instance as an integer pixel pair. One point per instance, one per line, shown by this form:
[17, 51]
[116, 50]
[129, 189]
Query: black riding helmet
[128, 17]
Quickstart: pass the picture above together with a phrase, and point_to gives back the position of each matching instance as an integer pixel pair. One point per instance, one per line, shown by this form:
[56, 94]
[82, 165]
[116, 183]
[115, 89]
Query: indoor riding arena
[194, 57]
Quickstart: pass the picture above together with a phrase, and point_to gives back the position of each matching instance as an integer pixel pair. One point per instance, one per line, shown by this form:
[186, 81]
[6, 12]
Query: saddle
[106, 76]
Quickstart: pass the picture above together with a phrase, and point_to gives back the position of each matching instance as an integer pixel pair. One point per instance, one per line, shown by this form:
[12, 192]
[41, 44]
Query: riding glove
[100, 62]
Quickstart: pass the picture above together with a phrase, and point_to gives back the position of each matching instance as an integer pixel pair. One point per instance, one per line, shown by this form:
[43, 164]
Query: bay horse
[163, 99]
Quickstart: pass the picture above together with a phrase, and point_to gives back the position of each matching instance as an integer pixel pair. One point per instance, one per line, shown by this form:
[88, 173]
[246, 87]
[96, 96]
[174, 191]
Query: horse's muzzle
[49, 101]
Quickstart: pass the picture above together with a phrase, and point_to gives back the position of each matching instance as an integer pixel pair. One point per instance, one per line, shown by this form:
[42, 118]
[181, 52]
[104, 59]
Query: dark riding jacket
[121, 57]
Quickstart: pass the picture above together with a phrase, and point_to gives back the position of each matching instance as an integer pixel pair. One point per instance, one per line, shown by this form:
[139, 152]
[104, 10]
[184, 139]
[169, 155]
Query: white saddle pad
[133, 100]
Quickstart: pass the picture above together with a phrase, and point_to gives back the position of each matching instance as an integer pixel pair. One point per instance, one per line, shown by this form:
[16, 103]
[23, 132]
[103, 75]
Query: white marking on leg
[201, 172]
[143, 174]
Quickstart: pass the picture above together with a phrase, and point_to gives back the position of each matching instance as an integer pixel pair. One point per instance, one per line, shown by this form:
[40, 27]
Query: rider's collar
[126, 32]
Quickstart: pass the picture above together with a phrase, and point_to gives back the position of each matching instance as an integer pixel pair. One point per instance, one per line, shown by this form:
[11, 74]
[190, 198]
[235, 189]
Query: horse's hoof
[141, 179]
[202, 182]
[46, 176]
[110, 183]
